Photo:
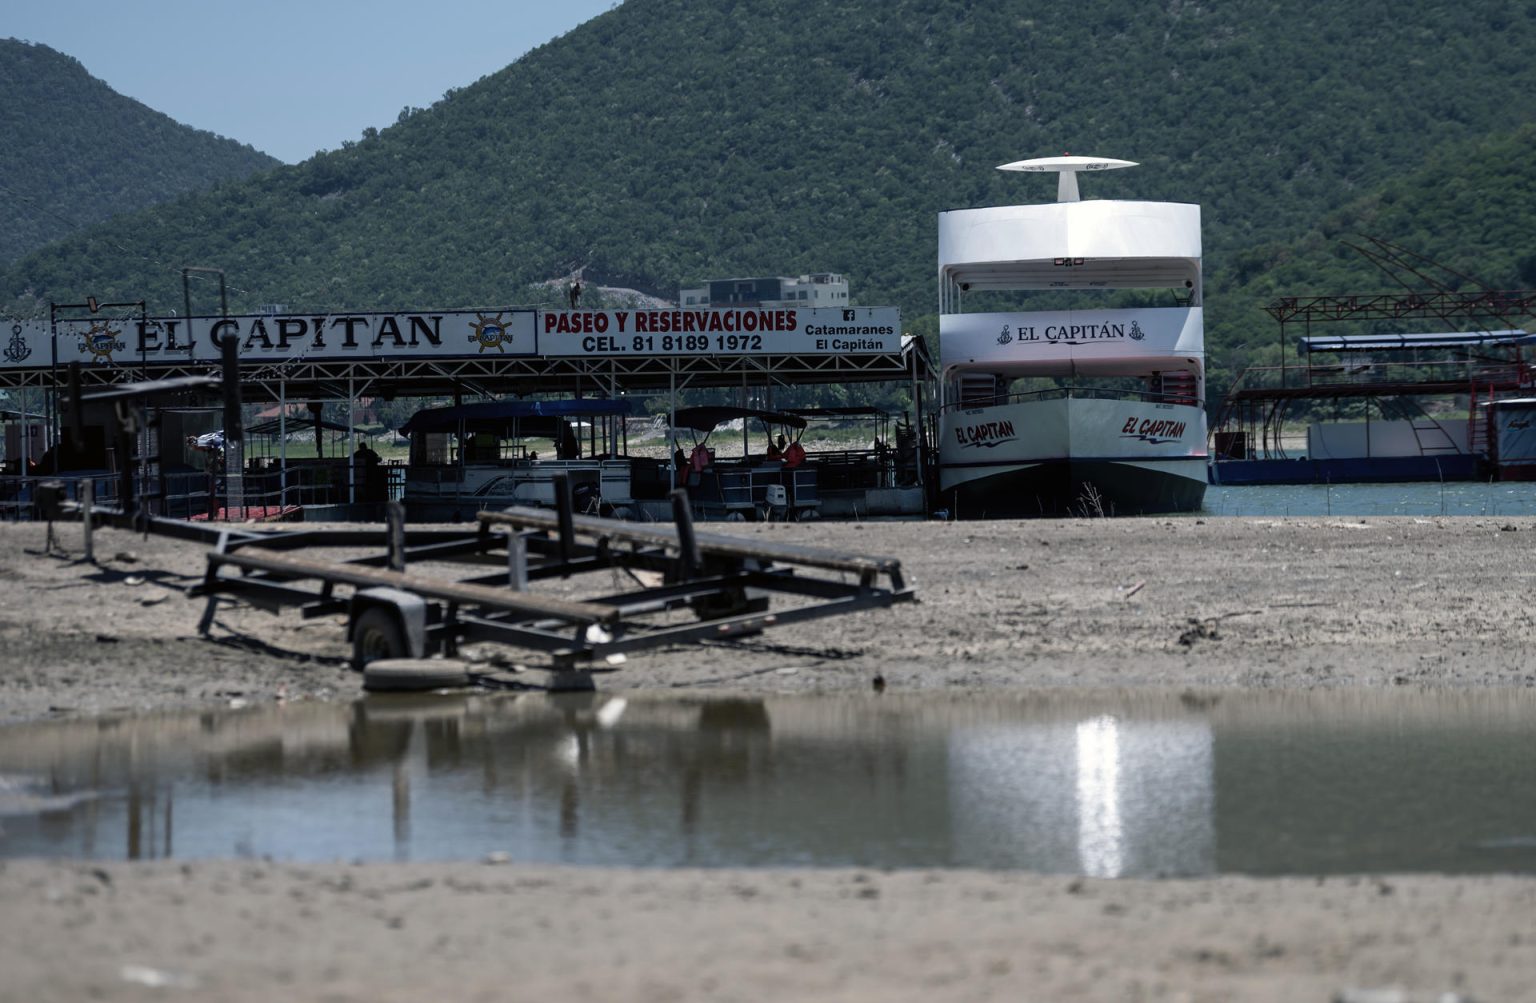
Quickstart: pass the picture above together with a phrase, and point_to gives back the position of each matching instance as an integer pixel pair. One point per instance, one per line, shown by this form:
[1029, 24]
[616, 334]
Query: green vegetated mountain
[76, 152]
[670, 141]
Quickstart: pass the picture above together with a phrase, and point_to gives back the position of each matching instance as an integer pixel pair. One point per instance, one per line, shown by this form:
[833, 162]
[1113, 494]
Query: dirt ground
[1187, 604]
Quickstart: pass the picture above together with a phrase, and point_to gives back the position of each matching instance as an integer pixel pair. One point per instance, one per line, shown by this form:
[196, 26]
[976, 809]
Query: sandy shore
[1162, 604]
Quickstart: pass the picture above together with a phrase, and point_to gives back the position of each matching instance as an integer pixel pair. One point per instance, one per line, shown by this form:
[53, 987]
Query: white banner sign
[134, 341]
[731, 331]
[1070, 335]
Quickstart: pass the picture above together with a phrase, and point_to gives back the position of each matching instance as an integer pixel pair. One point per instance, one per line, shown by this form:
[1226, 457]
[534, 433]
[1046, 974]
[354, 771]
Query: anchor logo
[18, 349]
[1005, 337]
[490, 332]
[1136, 332]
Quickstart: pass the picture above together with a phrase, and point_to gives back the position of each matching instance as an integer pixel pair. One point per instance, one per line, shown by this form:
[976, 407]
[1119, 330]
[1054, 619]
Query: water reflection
[1107, 795]
[1466, 498]
[1100, 834]
[1108, 786]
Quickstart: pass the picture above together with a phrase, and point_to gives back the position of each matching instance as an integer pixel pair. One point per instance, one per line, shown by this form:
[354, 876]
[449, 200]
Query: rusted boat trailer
[703, 586]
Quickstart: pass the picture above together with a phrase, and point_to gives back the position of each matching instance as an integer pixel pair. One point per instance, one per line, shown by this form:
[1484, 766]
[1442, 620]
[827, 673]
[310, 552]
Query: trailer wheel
[414, 675]
[377, 634]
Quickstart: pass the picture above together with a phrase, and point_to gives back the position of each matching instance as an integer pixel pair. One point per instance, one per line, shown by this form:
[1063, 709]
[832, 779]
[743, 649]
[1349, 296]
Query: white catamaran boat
[1073, 407]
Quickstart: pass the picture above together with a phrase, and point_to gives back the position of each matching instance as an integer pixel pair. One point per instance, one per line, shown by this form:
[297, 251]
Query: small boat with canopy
[489, 456]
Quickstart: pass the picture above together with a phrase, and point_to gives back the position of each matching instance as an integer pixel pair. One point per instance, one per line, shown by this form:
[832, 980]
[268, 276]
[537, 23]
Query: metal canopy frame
[1259, 402]
[512, 375]
[483, 375]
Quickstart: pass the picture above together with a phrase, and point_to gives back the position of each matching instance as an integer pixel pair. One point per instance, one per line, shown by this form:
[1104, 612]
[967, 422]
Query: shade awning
[503, 417]
[706, 418]
[1405, 342]
[272, 426]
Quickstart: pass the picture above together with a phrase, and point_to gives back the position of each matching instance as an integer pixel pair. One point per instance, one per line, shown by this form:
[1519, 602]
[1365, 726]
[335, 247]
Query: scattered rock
[156, 978]
[1199, 630]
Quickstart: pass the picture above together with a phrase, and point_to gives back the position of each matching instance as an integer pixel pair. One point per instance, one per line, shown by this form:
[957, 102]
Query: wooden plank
[710, 543]
[478, 595]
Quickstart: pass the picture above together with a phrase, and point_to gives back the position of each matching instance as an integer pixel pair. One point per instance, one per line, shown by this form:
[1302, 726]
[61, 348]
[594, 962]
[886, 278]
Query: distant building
[818, 289]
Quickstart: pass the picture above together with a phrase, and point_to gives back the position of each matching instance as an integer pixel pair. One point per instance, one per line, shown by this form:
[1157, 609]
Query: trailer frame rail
[731, 586]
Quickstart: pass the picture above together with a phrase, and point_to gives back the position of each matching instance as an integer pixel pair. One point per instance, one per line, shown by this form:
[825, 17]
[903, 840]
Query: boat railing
[1075, 393]
[742, 487]
[532, 480]
[18, 492]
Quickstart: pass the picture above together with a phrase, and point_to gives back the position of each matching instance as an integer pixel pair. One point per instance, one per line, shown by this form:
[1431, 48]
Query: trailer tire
[414, 675]
[377, 634]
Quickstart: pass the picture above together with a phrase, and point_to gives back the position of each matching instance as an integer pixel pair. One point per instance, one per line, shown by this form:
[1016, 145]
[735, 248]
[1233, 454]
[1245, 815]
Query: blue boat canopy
[1404, 342]
[704, 418]
[503, 417]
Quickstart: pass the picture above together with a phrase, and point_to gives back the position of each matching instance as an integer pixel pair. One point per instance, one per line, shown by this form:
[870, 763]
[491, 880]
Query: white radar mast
[1067, 168]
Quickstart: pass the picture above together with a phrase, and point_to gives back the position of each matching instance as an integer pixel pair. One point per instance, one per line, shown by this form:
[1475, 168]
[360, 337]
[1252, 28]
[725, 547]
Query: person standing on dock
[679, 464]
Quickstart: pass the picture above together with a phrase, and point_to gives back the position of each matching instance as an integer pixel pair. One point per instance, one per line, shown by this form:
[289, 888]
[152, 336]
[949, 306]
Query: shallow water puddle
[1112, 785]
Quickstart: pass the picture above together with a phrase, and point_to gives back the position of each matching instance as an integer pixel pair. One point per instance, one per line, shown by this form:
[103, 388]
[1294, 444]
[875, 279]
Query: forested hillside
[76, 152]
[669, 141]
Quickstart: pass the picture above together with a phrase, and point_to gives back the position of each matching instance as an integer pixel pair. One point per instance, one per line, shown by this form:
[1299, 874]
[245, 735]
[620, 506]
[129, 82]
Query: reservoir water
[1459, 498]
[1108, 785]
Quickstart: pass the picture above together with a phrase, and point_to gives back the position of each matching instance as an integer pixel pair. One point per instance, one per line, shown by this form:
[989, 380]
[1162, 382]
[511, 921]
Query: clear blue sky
[291, 77]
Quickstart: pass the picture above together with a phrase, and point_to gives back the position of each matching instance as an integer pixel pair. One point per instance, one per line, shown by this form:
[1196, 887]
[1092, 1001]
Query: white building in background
[820, 289]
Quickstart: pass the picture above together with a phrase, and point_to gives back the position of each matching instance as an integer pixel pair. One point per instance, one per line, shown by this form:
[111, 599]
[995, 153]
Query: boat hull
[1072, 457]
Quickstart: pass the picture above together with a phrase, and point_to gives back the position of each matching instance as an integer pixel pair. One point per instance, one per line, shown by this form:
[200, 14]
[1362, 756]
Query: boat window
[429, 449]
[980, 389]
[1094, 298]
[481, 447]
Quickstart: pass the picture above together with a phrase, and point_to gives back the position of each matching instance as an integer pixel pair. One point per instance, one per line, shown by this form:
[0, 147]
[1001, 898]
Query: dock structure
[293, 363]
[1378, 407]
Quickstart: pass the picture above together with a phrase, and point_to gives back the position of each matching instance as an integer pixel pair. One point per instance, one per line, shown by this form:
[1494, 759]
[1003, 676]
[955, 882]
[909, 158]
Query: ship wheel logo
[101, 341]
[1005, 337]
[490, 332]
[18, 349]
[1136, 332]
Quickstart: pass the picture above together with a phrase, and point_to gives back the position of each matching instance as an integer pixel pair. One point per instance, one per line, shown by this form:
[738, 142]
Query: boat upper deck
[1071, 245]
